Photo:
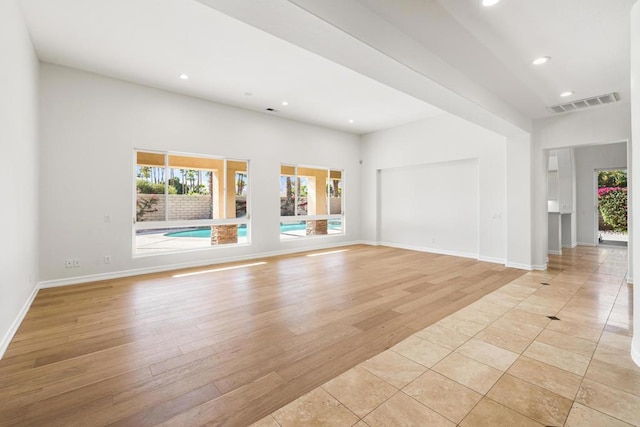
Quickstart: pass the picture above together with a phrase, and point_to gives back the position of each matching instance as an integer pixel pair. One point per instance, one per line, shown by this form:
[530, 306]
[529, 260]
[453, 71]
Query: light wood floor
[246, 341]
[551, 348]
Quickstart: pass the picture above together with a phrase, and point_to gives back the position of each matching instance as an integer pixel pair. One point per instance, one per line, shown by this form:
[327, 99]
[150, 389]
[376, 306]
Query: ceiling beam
[345, 32]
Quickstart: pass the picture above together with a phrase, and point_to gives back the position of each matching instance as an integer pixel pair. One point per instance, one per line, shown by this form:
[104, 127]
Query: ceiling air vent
[581, 104]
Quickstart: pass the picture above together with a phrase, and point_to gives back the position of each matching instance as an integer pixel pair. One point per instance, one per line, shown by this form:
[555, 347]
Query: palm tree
[289, 204]
[290, 194]
[241, 183]
[213, 197]
[210, 181]
[191, 176]
[145, 172]
[183, 181]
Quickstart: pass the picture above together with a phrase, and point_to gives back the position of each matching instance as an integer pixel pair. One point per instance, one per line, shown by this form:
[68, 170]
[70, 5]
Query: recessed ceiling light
[567, 93]
[487, 3]
[248, 94]
[350, 120]
[183, 76]
[285, 103]
[541, 60]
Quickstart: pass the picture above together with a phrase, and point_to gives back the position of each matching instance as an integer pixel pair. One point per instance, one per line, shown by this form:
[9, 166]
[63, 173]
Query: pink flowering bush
[613, 207]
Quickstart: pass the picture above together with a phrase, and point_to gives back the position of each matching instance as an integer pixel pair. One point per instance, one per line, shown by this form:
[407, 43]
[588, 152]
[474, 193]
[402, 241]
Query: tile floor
[501, 361]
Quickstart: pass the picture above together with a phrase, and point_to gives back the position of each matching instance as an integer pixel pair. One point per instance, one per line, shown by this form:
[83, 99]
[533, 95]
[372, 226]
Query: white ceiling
[588, 42]
[152, 41]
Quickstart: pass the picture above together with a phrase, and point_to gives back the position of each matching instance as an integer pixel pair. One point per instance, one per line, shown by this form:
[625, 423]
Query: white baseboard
[519, 266]
[6, 340]
[492, 260]
[169, 267]
[585, 244]
[554, 252]
[571, 246]
[441, 252]
[529, 267]
[430, 250]
[8, 336]
[480, 258]
[630, 280]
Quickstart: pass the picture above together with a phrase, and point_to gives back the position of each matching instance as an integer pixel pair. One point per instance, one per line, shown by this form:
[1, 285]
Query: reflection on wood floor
[548, 349]
[228, 346]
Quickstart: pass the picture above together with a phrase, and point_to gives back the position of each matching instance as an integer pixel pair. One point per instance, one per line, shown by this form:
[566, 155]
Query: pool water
[205, 232]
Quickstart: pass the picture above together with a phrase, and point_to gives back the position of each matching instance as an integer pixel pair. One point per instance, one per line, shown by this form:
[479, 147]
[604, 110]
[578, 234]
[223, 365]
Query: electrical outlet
[68, 263]
[107, 259]
[107, 218]
[76, 262]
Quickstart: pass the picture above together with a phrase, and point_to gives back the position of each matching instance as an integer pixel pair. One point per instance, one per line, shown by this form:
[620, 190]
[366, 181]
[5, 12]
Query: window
[311, 202]
[188, 202]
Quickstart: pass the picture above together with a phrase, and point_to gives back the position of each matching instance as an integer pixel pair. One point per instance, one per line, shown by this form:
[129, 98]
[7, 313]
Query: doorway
[611, 207]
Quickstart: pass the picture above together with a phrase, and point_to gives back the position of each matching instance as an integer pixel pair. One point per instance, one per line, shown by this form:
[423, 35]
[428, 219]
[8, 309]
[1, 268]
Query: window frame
[284, 219]
[175, 224]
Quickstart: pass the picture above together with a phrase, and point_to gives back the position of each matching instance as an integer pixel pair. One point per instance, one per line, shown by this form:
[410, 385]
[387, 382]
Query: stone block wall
[184, 207]
[154, 212]
[335, 206]
[181, 207]
[317, 227]
[224, 234]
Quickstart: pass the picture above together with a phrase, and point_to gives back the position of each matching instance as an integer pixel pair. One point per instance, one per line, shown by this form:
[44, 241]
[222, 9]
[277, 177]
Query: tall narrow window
[186, 202]
[311, 202]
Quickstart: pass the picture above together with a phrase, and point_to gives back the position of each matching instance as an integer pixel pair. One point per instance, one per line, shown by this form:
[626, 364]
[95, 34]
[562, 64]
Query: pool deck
[159, 243]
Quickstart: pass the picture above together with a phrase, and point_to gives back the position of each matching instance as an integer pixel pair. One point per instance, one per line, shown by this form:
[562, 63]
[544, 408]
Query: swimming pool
[205, 232]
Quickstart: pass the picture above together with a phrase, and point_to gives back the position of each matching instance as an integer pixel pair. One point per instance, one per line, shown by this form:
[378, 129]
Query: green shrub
[612, 202]
[617, 178]
[146, 187]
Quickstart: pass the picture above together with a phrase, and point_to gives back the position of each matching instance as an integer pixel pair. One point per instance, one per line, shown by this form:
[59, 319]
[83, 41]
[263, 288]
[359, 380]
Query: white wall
[434, 204]
[588, 159]
[634, 232]
[554, 224]
[519, 202]
[602, 125]
[566, 178]
[89, 127]
[561, 196]
[18, 170]
[442, 139]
